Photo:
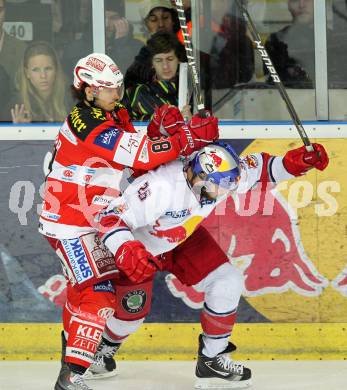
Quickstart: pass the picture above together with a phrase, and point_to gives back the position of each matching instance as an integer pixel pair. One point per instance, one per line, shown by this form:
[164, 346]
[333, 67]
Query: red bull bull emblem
[177, 234]
[268, 249]
[340, 282]
[216, 159]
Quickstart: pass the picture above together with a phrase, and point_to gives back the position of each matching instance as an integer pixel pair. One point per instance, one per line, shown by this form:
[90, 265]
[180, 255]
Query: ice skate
[63, 349]
[64, 366]
[220, 372]
[104, 365]
[69, 380]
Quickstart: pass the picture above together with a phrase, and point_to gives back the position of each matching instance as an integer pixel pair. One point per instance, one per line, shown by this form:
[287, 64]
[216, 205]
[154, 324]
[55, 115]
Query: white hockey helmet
[220, 163]
[97, 70]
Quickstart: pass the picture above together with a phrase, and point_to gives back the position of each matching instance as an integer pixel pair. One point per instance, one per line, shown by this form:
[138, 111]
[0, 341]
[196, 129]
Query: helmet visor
[107, 93]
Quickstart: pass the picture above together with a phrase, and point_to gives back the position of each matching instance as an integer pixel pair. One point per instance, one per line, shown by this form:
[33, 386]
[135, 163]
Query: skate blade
[90, 376]
[218, 383]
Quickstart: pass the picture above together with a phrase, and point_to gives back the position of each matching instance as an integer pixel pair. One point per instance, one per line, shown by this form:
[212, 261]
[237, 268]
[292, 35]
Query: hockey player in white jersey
[156, 224]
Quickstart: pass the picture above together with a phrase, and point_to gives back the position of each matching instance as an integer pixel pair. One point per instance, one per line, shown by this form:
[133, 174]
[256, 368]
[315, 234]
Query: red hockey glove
[136, 262]
[166, 121]
[121, 116]
[198, 133]
[298, 161]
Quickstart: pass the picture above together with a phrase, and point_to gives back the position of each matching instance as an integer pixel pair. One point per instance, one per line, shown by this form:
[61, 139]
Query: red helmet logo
[216, 159]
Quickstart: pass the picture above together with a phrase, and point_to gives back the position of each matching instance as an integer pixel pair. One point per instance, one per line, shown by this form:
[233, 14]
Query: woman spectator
[41, 88]
[158, 75]
[5, 93]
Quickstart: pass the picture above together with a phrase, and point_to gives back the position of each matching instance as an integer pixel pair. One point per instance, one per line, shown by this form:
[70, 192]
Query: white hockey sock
[214, 346]
[118, 330]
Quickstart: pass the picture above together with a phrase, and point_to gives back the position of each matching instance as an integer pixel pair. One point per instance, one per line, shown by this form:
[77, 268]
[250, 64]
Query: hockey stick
[274, 75]
[191, 60]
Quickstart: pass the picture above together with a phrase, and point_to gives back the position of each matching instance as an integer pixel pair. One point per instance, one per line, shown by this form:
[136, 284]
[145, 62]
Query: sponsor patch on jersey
[128, 148]
[104, 287]
[131, 142]
[98, 113]
[106, 312]
[251, 161]
[78, 259]
[205, 202]
[134, 301]
[51, 216]
[67, 133]
[108, 138]
[101, 259]
[88, 176]
[68, 173]
[76, 120]
[179, 213]
[102, 200]
[121, 208]
[143, 157]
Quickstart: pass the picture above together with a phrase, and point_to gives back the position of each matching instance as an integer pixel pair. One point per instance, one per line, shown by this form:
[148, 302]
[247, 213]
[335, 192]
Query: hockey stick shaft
[274, 75]
[191, 59]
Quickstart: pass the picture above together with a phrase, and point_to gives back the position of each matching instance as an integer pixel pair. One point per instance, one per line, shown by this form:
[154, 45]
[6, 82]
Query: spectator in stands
[120, 42]
[11, 49]
[158, 15]
[5, 94]
[42, 94]
[158, 75]
[292, 49]
[188, 14]
[231, 56]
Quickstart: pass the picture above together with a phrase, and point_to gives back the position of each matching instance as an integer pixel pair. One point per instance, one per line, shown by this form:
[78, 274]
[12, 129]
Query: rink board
[303, 317]
[179, 342]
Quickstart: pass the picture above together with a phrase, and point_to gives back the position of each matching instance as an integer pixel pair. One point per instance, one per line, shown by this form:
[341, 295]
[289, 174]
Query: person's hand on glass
[121, 27]
[20, 114]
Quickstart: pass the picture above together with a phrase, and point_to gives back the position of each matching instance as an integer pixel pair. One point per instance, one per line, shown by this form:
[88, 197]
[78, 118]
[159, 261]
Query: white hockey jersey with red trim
[91, 151]
[161, 210]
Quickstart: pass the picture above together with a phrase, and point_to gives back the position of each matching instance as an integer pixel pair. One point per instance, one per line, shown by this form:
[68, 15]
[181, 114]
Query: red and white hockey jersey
[161, 210]
[91, 151]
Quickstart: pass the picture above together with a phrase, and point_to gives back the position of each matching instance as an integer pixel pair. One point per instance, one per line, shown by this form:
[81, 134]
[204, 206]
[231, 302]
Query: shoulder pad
[82, 120]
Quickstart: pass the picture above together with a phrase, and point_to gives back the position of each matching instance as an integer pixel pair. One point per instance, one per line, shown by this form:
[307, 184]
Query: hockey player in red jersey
[155, 225]
[94, 145]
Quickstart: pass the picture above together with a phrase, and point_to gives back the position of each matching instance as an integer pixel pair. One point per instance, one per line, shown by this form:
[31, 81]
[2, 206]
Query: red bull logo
[177, 234]
[189, 295]
[173, 235]
[340, 282]
[267, 248]
[250, 161]
[217, 161]
[54, 289]
[294, 265]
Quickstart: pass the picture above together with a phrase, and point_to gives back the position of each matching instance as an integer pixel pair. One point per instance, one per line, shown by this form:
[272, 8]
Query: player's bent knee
[115, 326]
[224, 293]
